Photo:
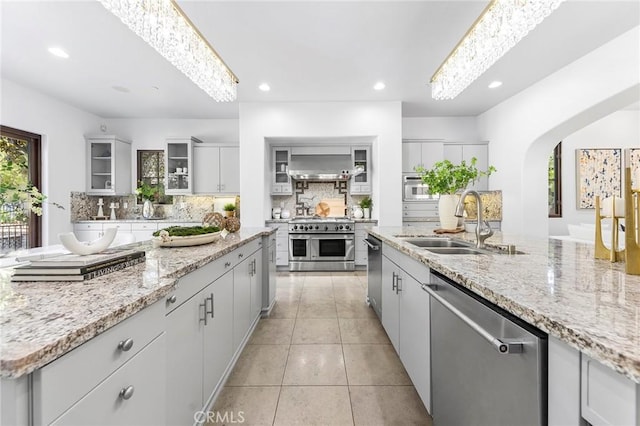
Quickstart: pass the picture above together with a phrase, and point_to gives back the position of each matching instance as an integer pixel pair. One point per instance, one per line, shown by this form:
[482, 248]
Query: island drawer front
[144, 226]
[607, 397]
[432, 206]
[64, 381]
[144, 374]
[88, 226]
[198, 279]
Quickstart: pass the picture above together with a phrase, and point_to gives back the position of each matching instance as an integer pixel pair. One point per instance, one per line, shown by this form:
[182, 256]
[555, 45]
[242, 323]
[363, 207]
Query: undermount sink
[435, 242]
[457, 250]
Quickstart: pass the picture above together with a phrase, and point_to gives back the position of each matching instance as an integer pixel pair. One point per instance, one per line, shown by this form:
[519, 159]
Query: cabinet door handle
[240, 255]
[125, 345]
[398, 284]
[212, 313]
[203, 305]
[227, 264]
[172, 299]
[126, 393]
[394, 283]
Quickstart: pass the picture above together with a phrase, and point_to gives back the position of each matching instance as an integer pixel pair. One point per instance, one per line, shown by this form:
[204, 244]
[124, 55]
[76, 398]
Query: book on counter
[52, 274]
[86, 261]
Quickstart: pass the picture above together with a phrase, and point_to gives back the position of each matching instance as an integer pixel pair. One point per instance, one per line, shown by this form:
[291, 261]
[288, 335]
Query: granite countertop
[557, 286]
[41, 321]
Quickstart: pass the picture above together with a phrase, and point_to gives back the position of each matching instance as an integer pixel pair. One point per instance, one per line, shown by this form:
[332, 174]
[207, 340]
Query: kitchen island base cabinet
[563, 384]
[405, 317]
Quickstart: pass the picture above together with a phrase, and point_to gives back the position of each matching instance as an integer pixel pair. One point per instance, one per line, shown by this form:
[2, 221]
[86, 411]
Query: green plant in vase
[446, 179]
[366, 204]
[230, 209]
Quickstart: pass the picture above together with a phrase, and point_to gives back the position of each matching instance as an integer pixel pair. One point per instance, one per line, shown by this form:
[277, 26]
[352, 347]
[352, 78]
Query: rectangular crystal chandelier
[166, 28]
[501, 25]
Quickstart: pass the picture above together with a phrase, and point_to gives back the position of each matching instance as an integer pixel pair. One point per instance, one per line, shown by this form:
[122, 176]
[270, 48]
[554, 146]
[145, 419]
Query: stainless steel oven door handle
[499, 345]
[371, 246]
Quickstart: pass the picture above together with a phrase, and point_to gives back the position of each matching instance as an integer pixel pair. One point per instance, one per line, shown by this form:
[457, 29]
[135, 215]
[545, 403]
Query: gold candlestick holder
[602, 252]
[632, 226]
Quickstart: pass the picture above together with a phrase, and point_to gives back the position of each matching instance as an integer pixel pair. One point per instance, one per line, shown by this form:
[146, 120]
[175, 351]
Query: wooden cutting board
[336, 206]
[323, 209]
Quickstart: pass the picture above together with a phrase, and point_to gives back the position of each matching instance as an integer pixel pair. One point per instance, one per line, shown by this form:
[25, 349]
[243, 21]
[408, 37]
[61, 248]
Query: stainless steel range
[321, 244]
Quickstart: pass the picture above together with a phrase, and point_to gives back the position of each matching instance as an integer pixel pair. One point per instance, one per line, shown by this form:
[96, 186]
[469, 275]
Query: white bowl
[83, 248]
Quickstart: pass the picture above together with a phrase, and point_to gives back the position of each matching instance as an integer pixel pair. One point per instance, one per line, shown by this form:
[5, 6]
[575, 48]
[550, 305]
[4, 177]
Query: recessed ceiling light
[56, 51]
[264, 87]
[379, 86]
[495, 84]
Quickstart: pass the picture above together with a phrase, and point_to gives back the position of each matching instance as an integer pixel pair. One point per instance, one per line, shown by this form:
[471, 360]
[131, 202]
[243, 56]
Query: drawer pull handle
[227, 264]
[240, 256]
[172, 298]
[126, 393]
[125, 345]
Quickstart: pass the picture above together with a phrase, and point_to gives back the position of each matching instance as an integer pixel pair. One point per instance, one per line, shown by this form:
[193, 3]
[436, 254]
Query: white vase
[367, 213]
[446, 211]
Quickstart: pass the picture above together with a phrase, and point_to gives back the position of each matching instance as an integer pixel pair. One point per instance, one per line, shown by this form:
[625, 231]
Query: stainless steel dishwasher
[487, 367]
[374, 274]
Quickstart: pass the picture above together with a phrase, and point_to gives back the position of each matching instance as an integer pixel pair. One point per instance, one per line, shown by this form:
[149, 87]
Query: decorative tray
[191, 240]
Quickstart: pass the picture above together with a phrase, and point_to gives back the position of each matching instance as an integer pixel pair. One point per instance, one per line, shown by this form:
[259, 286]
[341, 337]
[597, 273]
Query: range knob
[326, 228]
[340, 227]
[317, 227]
[295, 227]
[346, 227]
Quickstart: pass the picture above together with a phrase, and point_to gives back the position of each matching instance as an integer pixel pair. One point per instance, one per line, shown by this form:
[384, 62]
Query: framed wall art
[633, 161]
[599, 172]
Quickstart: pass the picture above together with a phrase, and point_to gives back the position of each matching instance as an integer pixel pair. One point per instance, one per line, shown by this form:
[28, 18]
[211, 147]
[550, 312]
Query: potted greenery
[230, 209]
[445, 179]
[366, 203]
[148, 193]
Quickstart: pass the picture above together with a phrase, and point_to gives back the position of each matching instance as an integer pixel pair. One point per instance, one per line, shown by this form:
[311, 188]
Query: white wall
[152, 133]
[458, 129]
[618, 130]
[63, 155]
[381, 120]
[524, 129]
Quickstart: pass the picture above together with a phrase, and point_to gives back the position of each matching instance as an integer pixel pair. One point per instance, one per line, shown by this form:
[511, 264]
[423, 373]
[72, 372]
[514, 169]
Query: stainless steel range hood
[322, 167]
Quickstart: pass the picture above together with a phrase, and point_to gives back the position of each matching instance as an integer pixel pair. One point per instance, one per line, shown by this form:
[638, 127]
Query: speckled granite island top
[557, 286]
[41, 321]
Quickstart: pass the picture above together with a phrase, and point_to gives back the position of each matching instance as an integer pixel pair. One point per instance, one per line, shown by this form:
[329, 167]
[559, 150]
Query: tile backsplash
[308, 194]
[188, 208]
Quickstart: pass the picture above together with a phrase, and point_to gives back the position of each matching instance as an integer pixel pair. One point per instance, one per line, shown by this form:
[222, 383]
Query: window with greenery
[151, 173]
[555, 182]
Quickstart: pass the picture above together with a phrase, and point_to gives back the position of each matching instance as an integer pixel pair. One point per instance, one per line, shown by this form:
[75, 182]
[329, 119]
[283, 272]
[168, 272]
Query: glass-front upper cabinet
[281, 183]
[361, 184]
[108, 165]
[179, 165]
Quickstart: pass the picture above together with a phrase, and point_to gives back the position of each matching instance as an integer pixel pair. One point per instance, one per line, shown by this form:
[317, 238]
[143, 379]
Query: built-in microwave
[415, 190]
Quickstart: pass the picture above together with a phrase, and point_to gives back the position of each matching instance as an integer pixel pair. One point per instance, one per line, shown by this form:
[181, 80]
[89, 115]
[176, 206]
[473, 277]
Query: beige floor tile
[309, 331]
[288, 294]
[354, 309]
[349, 281]
[260, 365]
[245, 405]
[362, 330]
[273, 331]
[317, 294]
[362, 273]
[317, 310]
[388, 405]
[374, 365]
[289, 280]
[284, 309]
[314, 405]
[312, 365]
[349, 293]
[318, 281]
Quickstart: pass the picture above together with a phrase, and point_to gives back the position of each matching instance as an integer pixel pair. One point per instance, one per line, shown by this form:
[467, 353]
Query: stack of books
[73, 267]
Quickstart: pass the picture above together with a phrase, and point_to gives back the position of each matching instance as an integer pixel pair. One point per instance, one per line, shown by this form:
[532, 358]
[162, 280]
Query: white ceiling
[306, 51]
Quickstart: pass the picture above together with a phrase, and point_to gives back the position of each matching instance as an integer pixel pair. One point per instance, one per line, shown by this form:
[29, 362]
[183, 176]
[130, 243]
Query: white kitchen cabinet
[563, 384]
[281, 181]
[420, 209]
[406, 317]
[361, 157]
[87, 231]
[247, 291]
[361, 250]
[108, 165]
[607, 397]
[130, 396]
[216, 169]
[420, 153]
[282, 243]
[199, 341]
[268, 273]
[143, 230]
[179, 165]
[110, 354]
[458, 152]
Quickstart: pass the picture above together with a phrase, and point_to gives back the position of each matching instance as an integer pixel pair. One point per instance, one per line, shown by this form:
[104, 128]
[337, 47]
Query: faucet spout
[481, 234]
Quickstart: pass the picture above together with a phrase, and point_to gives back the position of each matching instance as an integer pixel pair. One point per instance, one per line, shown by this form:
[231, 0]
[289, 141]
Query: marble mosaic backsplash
[188, 208]
[308, 194]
